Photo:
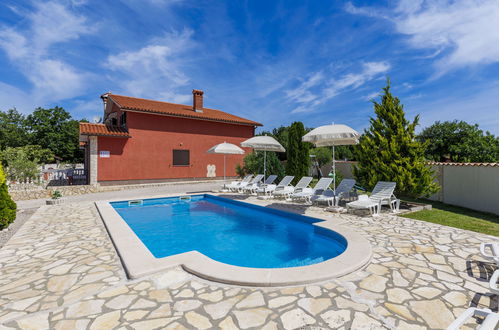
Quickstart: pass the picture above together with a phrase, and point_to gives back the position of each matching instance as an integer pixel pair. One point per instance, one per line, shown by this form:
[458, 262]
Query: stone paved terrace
[60, 271]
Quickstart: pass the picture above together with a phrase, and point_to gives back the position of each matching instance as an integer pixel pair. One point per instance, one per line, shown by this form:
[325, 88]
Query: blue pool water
[229, 231]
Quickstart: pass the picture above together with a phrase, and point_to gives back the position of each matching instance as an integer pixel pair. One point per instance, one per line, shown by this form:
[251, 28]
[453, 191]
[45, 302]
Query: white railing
[51, 177]
[65, 177]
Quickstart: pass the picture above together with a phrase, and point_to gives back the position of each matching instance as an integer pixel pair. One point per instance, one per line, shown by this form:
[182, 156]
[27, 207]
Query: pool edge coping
[138, 261]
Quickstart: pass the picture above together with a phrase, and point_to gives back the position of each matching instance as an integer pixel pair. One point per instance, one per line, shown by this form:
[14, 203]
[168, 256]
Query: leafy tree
[12, 129]
[7, 205]
[298, 159]
[23, 163]
[459, 142]
[389, 151]
[253, 164]
[323, 155]
[55, 130]
[345, 152]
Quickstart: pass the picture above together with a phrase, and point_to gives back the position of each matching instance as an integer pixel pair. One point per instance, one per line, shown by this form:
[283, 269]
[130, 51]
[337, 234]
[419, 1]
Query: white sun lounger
[382, 194]
[343, 190]
[268, 189]
[286, 191]
[256, 179]
[252, 188]
[489, 323]
[235, 184]
[493, 286]
[494, 251]
[307, 193]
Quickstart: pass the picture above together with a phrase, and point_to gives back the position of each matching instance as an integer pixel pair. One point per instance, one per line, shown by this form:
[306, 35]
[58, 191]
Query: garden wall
[471, 185]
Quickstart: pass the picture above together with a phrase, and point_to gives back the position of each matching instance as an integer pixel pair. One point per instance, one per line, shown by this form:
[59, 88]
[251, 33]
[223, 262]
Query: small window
[123, 119]
[180, 157]
[114, 122]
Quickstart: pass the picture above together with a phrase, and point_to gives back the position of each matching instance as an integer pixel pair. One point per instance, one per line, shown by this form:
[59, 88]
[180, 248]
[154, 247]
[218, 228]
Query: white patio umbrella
[225, 149]
[332, 135]
[264, 143]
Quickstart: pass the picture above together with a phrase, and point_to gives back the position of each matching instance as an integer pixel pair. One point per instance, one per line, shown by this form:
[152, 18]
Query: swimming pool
[228, 241]
[230, 232]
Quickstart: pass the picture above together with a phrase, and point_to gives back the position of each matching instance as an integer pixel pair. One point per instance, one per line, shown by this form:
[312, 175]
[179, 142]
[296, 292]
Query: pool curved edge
[138, 261]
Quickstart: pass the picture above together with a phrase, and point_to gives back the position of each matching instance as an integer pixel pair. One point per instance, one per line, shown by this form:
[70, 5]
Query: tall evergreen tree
[298, 159]
[389, 151]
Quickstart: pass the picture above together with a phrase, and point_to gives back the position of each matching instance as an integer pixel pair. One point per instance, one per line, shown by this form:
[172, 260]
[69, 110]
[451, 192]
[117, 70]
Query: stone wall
[40, 192]
[25, 194]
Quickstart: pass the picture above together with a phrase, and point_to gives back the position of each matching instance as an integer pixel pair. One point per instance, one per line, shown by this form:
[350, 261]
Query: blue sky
[271, 61]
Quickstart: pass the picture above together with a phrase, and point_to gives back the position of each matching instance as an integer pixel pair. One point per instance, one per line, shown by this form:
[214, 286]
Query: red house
[144, 141]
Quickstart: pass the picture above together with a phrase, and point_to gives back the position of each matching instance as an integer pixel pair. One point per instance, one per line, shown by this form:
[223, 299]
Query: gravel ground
[21, 217]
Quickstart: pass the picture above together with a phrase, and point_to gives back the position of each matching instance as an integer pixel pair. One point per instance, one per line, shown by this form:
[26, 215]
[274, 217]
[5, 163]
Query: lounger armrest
[490, 246]
[494, 287]
[461, 319]
[490, 322]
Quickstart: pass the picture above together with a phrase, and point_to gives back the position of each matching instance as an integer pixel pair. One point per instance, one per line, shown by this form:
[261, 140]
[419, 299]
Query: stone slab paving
[60, 271]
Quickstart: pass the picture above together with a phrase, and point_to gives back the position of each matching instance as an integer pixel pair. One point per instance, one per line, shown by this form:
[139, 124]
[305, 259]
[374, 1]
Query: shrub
[7, 205]
[56, 194]
[253, 164]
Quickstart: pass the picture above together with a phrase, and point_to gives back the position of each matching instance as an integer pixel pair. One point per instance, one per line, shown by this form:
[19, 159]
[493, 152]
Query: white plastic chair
[268, 189]
[382, 194]
[343, 190]
[288, 190]
[255, 180]
[235, 184]
[489, 323]
[307, 194]
[494, 251]
[252, 188]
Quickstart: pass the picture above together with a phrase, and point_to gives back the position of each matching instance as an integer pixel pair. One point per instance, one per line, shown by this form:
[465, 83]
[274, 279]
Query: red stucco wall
[147, 155]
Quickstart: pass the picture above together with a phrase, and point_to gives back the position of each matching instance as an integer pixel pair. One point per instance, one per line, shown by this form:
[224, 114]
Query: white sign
[105, 154]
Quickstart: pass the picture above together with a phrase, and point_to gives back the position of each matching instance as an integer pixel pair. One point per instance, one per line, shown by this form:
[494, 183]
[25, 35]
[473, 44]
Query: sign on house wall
[104, 154]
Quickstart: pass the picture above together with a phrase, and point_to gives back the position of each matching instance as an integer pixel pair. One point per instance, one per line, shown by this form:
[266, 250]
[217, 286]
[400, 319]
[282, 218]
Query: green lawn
[458, 217]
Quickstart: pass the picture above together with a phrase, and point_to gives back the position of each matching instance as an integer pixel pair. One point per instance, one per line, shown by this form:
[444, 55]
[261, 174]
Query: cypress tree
[7, 205]
[389, 151]
[298, 159]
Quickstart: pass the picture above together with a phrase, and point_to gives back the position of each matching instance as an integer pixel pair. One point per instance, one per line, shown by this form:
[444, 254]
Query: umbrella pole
[224, 169]
[264, 163]
[334, 174]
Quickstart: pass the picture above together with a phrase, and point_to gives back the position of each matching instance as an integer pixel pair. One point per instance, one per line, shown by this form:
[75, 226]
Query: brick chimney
[197, 100]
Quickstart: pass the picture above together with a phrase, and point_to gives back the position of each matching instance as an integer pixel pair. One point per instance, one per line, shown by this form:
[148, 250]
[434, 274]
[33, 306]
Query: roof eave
[189, 117]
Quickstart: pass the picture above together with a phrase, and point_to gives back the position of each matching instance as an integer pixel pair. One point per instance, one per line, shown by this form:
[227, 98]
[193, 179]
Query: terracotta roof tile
[103, 130]
[177, 110]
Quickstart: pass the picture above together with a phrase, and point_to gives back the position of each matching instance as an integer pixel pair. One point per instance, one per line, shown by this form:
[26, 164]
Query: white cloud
[51, 23]
[155, 70]
[369, 71]
[12, 97]
[460, 33]
[371, 96]
[302, 93]
[308, 95]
